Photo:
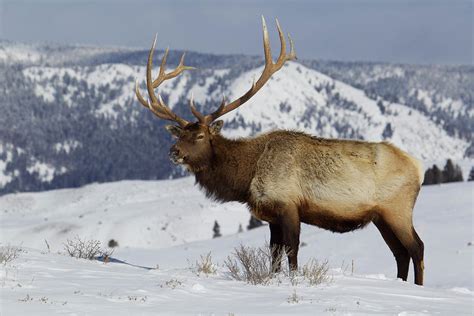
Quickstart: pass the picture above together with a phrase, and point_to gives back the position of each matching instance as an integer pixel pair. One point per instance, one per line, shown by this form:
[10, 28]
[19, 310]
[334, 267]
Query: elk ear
[174, 130]
[215, 127]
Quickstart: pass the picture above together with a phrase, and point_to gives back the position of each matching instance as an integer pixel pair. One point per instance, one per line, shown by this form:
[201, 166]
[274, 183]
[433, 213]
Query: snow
[5, 178]
[264, 107]
[45, 92]
[40, 282]
[425, 97]
[17, 52]
[378, 73]
[416, 134]
[454, 106]
[135, 213]
[295, 85]
[44, 171]
[66, 146]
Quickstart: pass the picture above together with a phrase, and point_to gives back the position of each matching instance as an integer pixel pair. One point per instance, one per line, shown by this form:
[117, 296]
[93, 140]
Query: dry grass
[205, 265]
[315, 272]
[253, 265]
[8, 254]
[172, 284]
[250, 264]
[85, 249]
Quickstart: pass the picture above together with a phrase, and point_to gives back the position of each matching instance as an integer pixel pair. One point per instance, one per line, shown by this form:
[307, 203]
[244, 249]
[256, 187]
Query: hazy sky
[405, 31]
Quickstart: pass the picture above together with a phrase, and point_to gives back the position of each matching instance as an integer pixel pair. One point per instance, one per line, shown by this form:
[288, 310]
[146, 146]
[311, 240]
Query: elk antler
[156, 104]
[160, 109]
[268, 71]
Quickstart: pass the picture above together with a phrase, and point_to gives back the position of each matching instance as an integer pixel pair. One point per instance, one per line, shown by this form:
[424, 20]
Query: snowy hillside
[296, 91]
[152, 214]
[135, 212]
[70, 116]
[295, 98]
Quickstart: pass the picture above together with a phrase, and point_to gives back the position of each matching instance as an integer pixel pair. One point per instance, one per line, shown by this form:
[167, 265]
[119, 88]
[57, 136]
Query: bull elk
[289, 177]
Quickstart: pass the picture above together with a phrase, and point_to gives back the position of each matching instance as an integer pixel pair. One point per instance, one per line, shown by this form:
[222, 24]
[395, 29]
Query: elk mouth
[176, 159]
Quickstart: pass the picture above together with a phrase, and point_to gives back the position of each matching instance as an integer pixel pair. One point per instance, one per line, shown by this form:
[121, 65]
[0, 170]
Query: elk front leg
[276, 246]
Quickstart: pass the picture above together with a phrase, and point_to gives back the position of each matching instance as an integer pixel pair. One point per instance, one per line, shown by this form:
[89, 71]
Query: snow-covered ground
[163, 227]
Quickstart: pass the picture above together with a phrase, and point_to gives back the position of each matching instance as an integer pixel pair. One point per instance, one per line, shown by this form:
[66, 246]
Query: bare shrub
[316, 272]
[8, 254]
[253, 265]
[85, 249]
[172, 284]
[249, 264]
[27, 298]
[205, 265]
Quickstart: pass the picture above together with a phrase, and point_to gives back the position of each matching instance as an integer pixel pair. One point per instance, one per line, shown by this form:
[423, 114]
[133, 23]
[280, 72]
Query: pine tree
[437, 175]
[452, 172]
[381, 106]
[448, 171]
[388, 131]
[458, 174]
[429, 178]
[240, 229]
[216, 230]
[254, 223]
[471, 175]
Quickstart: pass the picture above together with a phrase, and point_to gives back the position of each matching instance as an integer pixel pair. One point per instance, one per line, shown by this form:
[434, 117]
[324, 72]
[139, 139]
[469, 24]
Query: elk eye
[200, 136]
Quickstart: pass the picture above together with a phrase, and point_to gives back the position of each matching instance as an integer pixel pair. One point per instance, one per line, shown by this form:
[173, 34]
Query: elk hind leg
[417, 256]
[399, 251]
[407, 235]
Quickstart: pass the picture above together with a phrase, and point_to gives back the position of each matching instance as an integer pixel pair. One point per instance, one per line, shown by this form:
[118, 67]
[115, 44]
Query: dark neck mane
[228, 176]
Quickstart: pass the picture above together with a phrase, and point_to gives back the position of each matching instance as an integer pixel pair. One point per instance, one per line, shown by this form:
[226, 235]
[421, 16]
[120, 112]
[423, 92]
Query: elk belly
[342, 204]
[335, 217]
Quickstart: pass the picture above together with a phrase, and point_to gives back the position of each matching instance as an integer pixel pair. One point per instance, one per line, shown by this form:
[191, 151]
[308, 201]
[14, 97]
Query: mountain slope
[117, 211]
[70, 116]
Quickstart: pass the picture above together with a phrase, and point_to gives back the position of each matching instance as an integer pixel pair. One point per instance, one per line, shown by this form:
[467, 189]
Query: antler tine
[266, 44]
[281, 58]
[149, 66]
[162, 76]
[269, 69]
[195, 112]
[159, 80]
[140, 98]
[147, 104]
[292, 55]
[156, 104]
[181, 67]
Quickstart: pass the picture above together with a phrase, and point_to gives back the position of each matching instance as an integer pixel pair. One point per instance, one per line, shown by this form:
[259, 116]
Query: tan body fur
[333, 178]
[289, 177]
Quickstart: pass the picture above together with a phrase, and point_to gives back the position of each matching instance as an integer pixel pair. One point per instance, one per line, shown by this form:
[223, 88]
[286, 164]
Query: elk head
[194, 140]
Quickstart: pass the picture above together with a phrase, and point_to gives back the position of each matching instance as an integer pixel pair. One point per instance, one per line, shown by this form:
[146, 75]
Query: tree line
[450, 173]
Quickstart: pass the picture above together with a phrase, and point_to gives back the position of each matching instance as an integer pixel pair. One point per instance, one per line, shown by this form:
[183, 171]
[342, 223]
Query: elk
[287, 177]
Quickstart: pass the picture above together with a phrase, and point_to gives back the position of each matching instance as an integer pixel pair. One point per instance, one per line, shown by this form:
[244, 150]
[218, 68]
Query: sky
[398, 31]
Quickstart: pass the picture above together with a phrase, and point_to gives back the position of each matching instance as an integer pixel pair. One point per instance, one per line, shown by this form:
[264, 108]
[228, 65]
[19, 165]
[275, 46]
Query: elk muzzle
[176, 156]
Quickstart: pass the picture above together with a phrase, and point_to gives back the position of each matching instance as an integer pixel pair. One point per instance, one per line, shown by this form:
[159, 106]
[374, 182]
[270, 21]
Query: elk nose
[174, 152]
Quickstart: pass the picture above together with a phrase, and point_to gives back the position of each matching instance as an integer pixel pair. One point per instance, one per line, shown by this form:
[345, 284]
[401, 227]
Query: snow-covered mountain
[71, 115]
[169, 224]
